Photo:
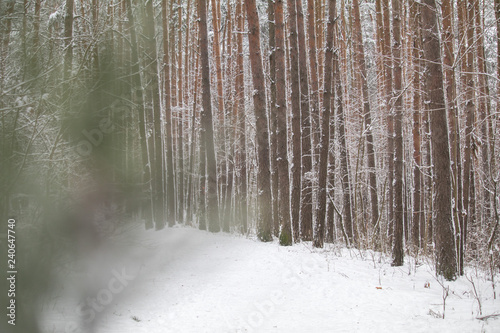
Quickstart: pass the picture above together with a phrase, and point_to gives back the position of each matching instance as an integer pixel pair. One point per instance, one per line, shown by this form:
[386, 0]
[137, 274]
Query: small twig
[446, 292]
[476, 295]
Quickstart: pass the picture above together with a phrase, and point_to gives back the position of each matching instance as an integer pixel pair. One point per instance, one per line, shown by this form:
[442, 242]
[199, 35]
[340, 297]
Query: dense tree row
[372, 123]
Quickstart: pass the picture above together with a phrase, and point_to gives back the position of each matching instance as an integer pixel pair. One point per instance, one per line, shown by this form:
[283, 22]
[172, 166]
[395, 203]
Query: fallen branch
[484, 318]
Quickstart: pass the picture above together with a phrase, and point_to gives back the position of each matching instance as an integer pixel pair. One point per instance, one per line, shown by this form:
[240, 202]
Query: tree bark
[137, 86]
[152, 72]
[398, 251]
[207, 132]
[417, 224]
[451, 96]
[180, 143]
[359, 55]
[434, 97]
[220, 112]
[306, 211]
[170, 189]
[264, 215]
[281, 129]
[483, 111]
[325, 128]
[390, 116]
[470, 109]
[313, 65]
[296, 130]
[68, 38]
[344, 157]
[273, 115]
[36, 26]
[240, 100]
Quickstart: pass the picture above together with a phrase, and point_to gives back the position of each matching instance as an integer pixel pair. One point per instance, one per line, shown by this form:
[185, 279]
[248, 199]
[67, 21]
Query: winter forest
[366, 126]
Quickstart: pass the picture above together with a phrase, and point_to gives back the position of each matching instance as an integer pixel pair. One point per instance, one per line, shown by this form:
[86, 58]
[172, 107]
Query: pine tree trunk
[220, 112]
[313, 65]
[273, 116]
[296, 129]
[137, 86]
[495, 118]
[398, 251]
[230, 118]
[36, 26]
[207, 132]
[264, 217]
[344, 158]
[240, 100]
[390, 116]
[320, 16]
[152, 72]
[281, 129]
[180, 143]
[68, 37]
[190, 207]
[370, 149]
[170, 191]
[417, 231]
[433, 86]
[483, 106]
[470, 110]
[325, 128]
[95, 27]
[306, 211]
[451, 96]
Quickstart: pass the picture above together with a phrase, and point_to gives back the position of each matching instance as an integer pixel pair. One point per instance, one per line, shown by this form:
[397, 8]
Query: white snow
[186, 280]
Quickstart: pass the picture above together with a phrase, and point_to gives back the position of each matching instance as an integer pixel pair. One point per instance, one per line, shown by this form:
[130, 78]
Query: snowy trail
[194, 281]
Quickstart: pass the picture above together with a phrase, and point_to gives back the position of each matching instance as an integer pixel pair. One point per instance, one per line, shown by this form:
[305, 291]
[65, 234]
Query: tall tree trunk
[170, 191]
[313, 65]
[137, 86]
[230, 119]
[398, 251]
[281, 129]
[320, 13]
[306, 211]
[68, 38]
[483, 106]
[332, 165]
[379, 39]
[216, 47]
[264, 217]
[207, 124]
[188, 55]
[273, 115]
[494, 119]
[36, 26]
[181, 121]
[152, 72]
[470, 107]
[390, 115]
[359, 55]
[433, 86]
[220, 112]
[240, 100]
[95, 30]
[451, 96]
[296, 130]
[192, 146]
[417, 229]
[344, 157]
[325, 128]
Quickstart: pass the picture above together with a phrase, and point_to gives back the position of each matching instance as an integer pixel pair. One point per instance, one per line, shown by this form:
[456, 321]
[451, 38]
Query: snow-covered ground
[186, 280]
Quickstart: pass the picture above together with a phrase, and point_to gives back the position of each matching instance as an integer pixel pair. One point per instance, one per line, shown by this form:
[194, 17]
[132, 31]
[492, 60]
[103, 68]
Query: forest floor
[186, 280]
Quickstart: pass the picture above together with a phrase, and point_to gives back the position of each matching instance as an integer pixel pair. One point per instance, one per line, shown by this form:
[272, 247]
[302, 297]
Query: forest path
[186, 280]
